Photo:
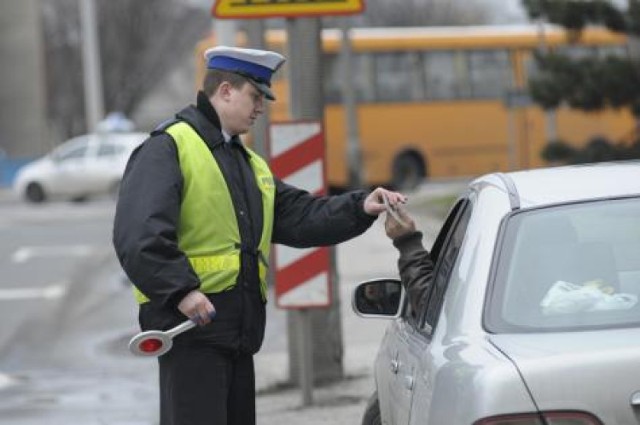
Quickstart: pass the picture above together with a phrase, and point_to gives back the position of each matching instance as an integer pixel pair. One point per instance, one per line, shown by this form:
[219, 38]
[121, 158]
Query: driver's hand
[395, 229]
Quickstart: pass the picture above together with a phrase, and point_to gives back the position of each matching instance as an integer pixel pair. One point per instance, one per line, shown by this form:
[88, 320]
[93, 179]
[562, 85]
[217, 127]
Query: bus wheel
[408, 171]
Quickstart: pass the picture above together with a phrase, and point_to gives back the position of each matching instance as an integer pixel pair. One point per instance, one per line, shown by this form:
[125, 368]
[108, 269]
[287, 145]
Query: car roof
[129, 138]
[547, 186]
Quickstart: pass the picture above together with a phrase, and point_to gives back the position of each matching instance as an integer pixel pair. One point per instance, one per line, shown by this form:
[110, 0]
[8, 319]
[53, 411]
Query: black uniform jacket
[145, 233]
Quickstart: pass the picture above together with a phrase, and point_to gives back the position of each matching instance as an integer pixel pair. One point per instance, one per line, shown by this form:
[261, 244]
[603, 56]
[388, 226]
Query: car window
[570, 267]
[446, 229]
[109, 149]
[448, 245]
[76, 152]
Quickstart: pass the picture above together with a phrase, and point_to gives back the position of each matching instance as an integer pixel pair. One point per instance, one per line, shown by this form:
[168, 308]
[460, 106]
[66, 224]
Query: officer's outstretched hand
[374, 202]
[197, 307]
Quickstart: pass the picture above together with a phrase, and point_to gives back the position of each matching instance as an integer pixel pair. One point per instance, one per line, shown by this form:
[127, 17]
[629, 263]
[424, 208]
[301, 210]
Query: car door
[69, 168]
[106, 167]
[425, 353]
[408, 341]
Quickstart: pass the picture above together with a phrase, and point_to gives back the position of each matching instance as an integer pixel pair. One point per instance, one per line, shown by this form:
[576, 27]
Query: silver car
[85, 166]
[533, 316]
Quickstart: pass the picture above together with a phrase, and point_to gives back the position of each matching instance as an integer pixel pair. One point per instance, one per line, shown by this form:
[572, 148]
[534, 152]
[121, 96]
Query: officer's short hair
[214, 77]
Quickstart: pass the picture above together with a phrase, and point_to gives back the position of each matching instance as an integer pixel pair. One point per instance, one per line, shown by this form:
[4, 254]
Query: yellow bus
[445, 102]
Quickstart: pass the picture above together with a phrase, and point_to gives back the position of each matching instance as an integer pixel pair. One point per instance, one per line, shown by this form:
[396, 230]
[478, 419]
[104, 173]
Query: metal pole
[305, 69]
[225, 32]
[93, 101]
[511, 134]
[354, 153]
[550, 115]
[306, 102]
[305, 348]
[255, 34]
[633, 46]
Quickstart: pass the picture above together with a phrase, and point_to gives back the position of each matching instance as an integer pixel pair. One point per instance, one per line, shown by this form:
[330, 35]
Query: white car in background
[85, 166]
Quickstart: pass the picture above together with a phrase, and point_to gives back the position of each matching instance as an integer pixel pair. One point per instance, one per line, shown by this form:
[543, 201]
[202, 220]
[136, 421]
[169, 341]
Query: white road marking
[26, 253]
[48, 292]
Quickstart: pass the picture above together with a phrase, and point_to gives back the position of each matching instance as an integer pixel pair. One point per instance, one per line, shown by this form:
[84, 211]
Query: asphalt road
[67, 313]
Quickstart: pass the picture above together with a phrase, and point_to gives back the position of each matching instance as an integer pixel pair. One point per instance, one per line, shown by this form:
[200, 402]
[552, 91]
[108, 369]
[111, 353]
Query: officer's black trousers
[202, 385]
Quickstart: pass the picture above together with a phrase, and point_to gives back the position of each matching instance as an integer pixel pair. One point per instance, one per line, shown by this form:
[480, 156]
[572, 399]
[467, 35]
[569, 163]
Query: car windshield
[571, 267]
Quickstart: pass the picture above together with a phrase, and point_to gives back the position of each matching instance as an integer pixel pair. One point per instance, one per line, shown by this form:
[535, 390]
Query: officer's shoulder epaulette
[162, 127]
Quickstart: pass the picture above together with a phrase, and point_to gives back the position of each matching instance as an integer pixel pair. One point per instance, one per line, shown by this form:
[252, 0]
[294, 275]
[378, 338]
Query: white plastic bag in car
[566, 297]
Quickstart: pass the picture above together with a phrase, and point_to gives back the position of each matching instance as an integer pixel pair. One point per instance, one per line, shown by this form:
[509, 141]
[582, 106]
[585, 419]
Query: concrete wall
[22, 80]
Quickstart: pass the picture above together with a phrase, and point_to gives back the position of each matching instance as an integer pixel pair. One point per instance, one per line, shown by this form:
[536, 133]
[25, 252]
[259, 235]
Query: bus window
[491, 74]
[364, 77]
[617, 51]
[332, 74]
[444, 80]
[394, 77]
[461, 69]
[418, 92]
[578, 52]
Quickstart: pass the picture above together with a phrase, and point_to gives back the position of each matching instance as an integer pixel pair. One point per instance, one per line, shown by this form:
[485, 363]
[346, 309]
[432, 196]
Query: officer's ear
[224, 90]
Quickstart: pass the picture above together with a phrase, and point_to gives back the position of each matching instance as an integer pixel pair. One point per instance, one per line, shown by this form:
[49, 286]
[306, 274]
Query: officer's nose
[259, 105]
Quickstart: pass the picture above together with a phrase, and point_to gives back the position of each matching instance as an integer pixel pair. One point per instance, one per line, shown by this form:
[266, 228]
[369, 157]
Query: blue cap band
[260, 73]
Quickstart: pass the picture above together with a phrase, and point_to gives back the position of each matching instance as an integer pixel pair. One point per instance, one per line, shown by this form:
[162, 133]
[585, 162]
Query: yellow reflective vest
[208, 230]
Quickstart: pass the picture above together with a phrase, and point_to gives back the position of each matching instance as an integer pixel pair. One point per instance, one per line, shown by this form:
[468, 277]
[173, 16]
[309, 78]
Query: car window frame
[408, 314]
[455, 224]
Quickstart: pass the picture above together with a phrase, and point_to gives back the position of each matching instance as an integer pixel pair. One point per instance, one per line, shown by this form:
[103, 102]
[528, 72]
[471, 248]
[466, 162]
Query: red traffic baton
[156, 343]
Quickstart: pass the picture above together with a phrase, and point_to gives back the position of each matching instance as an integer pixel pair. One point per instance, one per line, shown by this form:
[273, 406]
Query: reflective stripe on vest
[208, 230]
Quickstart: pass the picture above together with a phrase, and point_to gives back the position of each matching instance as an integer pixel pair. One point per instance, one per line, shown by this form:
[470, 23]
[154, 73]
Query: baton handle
[182, 327]
[185, 326]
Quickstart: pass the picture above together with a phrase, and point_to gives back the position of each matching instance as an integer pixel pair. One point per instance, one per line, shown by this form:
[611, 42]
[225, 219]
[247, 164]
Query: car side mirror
[378, 298]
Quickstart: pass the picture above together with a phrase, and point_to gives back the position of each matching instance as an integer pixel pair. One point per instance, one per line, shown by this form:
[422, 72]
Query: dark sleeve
[416, 268]
[303, 220]
[144, 231]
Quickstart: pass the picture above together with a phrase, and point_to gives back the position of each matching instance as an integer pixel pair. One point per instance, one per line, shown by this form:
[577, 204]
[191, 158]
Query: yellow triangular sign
[247, 9]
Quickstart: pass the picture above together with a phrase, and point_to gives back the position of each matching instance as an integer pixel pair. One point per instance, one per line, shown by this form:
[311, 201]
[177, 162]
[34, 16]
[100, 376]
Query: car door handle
[408, 382]
[635, 399]
[395, 365]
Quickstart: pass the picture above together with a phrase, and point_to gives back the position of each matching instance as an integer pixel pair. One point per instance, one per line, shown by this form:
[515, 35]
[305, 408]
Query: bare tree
[140, 41]
[61, 29]
[409, 13]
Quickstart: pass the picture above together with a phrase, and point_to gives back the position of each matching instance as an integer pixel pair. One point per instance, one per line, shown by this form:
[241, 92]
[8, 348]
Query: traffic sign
[302, 276]
[246, 9]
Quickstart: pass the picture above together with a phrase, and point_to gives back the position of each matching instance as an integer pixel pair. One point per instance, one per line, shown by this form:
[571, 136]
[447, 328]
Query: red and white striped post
[302, 276]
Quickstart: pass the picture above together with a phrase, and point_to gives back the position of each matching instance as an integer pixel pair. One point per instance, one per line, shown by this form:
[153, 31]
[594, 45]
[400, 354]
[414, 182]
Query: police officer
[196, 215]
